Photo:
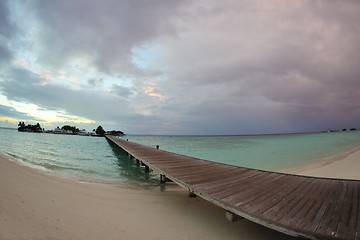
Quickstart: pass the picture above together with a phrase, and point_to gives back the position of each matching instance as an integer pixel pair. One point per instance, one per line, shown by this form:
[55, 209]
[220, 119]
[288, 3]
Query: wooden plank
[325, 214]
[346, 222]
[301, 199]
[242, 182]
[278, 210]
[212, 177]
[284, 214]
[224, 181]
[338, 207]
[274, 204]
[255, 202]
[306, 217]
[319, 208]
[357, 230]
[257, 188]
[186, 170]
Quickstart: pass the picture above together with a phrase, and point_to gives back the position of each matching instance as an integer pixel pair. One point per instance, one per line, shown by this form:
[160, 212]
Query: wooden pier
[309, 207]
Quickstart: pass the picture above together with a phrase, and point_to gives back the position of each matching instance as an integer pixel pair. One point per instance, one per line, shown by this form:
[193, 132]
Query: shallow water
[267, 152]
[80, 157]
[85, 158]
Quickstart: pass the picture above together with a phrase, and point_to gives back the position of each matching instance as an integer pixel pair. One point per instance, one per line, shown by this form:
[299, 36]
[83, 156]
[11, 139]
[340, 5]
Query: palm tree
[38, 128]
[22, 126]
[100, 131]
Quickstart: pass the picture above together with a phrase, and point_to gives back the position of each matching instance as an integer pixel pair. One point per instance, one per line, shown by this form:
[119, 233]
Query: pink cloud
[21, 62]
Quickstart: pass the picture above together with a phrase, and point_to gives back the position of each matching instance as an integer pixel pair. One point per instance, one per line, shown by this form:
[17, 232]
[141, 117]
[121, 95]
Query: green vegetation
[100, 131]
[29, 128]
[67, 129]
[70, 128]
[116, 133]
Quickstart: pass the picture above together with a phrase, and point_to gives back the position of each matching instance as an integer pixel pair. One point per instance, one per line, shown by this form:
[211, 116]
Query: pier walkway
[315, 208]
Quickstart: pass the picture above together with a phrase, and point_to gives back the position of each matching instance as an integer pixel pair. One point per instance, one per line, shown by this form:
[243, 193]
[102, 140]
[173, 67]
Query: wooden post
[147, 169]
[162, 178]
[231, 217]
[137, 162]
[191, 194]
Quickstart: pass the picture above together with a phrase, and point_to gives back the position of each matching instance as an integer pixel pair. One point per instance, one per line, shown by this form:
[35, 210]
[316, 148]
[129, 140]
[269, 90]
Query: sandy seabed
[38, 205]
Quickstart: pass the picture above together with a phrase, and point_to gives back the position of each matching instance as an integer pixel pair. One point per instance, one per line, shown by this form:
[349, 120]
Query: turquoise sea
[94, 159]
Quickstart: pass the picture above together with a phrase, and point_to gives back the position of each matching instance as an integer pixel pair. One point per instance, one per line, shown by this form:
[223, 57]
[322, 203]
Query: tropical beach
[258, 108]
[35, 204]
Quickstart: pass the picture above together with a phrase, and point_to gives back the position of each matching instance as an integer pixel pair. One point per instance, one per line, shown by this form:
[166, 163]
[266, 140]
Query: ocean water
[93, 158]
[71, 156]
[267, 152]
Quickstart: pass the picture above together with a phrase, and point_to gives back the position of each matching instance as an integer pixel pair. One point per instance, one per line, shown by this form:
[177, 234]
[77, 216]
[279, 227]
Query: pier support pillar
[137, 162]
[191, 194]
[164, 179]
[147, 169]
[231, 217]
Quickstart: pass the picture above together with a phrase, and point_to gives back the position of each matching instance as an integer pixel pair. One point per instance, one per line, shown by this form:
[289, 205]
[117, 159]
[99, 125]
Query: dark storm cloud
[216, 67]
[293, 64]
[122, 92]
[105, 32]
[5, 55]
[6, 26]
[95, 82]
[6, 31]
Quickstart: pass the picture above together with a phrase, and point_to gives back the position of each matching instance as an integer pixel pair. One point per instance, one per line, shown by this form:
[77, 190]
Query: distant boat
[59, 131]
[83, 132]
[63, 131]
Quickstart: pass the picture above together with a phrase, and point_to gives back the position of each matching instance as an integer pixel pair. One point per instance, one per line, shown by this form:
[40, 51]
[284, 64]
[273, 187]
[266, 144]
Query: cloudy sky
[181, 67]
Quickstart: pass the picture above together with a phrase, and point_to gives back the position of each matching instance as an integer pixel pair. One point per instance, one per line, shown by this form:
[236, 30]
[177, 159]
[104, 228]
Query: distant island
[343, 130]
[68, 130]
[29, 128]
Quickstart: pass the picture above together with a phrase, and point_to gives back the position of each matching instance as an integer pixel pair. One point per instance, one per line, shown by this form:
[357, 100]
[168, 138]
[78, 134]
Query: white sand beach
[36, 205]
[345, 166]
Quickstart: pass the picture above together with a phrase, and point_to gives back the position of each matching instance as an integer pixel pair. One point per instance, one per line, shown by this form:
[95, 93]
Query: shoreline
[36, 205]
[344, 165]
